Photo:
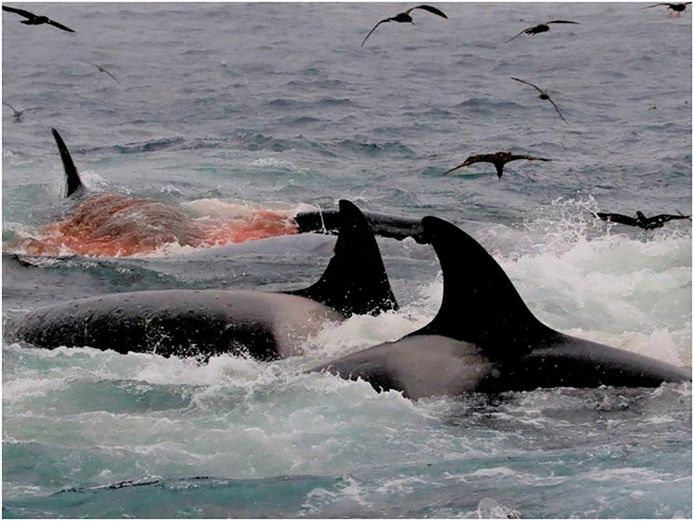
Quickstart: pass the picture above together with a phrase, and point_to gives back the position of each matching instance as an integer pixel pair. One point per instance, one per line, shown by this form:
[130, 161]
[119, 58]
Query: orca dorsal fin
[480, 303]
[355, 281]
[74, 183]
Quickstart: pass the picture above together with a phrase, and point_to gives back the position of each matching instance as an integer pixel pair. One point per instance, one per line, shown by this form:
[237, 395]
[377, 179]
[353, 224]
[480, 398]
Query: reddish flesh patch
[119, 225]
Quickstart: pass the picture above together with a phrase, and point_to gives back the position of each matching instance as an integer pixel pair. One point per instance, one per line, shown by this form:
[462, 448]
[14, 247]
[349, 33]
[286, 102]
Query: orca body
[485, 339]
[383, 225]
[264, 325]
[113, 224]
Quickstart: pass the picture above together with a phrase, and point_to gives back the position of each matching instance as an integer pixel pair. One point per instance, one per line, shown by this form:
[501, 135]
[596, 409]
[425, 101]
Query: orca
[263, 325]
[111, 224]
[383, 225]
[485, 339]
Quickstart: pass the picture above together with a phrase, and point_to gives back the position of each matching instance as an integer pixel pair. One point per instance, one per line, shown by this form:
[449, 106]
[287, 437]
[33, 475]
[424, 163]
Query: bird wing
[649, 6]
[430, 9]
[8, 105]
[102, 69]
[557, 109]
[529, 158]
[374, 28]
[60, 26]
[116, 79]
[524, 30]
[528, 83]
[561, 22]
[21, 12]
[455, 168]
[617, 218]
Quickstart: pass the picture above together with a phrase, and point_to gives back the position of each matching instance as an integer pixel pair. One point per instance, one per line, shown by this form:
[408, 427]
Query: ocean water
[226, 108]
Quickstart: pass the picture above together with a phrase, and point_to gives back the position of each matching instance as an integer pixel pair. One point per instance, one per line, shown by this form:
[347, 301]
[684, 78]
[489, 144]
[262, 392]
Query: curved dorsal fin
[480, 304]
[74, 183]
[355, 281]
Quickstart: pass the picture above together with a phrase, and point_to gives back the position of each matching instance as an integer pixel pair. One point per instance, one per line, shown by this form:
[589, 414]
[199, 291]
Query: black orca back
[74, 183]
[328, 221]
[355, 281]
[480, 304]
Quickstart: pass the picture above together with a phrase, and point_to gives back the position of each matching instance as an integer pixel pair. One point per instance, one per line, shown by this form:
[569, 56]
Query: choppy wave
[231, 109]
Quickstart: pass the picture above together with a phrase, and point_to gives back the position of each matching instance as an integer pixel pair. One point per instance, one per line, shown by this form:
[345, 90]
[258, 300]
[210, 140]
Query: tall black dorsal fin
[355, 281]
[74, 183]
[480, 304]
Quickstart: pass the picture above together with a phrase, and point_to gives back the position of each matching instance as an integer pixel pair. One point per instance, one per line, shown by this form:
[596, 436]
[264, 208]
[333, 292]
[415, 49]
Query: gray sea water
[223, 107]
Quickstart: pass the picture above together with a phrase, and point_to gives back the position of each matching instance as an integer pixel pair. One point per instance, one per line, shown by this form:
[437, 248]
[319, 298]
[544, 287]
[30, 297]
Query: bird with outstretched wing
[543, 96]
[540, 28]
[647, 223]
[32, 19]
[677, 7]
[405, 18]
[104, 70]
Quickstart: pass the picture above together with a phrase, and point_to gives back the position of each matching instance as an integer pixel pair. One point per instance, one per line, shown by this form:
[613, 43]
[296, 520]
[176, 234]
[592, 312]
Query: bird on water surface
[405, 18]
[647, 223]
[541, 28]
[498, 159]
[32, 19]
[543, 96]
[677, 7]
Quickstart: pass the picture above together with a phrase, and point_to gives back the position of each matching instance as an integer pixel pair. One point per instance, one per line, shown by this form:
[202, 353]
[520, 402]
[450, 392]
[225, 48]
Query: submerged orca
[485, 339]
[383, 225]
[263, 325]
[115, 224]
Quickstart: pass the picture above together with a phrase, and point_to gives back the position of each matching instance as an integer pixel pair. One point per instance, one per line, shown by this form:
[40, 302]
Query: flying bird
[677, 8]
[102, 69]
[498, 159]
[32, 19]
[17, 115]
[647, 223]
[405, 18]
[542, 28]
[544, 96]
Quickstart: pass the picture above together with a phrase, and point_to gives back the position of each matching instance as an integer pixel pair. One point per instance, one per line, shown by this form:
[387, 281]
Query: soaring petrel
[17, 115]
[678, 8]
[405, 18]
[32, 19]
[498, 159]
[102, 69]
[647, 223]
[542, 28]
[543, 95]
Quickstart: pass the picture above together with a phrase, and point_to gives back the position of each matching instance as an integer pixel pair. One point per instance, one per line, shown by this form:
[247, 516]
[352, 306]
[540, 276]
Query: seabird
[647, 223]
[32, 19]
[17, 115]
[102, 69]
[678, 8]
[498, 159]
[543, 95]
[405, 18]
[542, 28]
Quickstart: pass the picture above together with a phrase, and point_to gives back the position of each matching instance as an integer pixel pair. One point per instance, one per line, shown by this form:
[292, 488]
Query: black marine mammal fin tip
[480, 304]
[74, 183]
[355, 281]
